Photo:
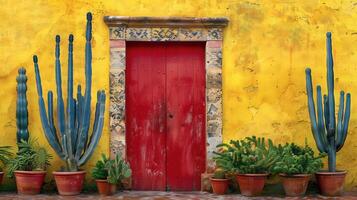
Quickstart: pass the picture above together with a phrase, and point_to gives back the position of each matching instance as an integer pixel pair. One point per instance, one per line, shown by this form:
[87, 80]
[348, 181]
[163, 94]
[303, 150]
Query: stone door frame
[160, 29]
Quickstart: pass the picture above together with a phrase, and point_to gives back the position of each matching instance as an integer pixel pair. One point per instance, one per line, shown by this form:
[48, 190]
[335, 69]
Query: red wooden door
[165, 115]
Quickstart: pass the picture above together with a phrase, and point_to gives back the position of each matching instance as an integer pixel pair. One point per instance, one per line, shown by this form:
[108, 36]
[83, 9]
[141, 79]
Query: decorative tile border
[210, 30]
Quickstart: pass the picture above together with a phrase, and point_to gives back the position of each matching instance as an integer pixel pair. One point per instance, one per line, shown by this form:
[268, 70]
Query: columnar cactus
[22, 132]
[72, 144]
[328, 136]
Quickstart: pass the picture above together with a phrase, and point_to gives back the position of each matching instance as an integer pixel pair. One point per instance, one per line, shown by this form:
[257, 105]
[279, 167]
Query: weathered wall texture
[267, 45]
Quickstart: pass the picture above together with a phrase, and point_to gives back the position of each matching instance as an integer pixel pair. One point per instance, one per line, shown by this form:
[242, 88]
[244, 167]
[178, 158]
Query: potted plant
[252, 159]
[295, 166]
[5, 156]
[29, 167]
[108, 173]
[70, 140]
[329, 134]
[219, 182]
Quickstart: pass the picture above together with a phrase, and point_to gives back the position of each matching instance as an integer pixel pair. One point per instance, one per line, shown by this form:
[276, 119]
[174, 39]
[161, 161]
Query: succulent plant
[219, 174]
[72, 144]
[118, 169]
[22, 132]
[294, 159]
[248, 156]
[329, 135]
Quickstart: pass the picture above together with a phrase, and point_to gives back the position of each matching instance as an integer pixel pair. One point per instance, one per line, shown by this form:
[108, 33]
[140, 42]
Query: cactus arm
[311, 106]
[97, 132]
[83, 134]
[320, 122]
[60, 103]
[22, 132]
[70, 100]
[330, 86]
[340, 118]
[50, 136]
[96, 115]
[50, 114]
[326, 111]
[346, 119]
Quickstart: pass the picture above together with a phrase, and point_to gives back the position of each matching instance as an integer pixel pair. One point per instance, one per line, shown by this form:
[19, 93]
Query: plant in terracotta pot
[295, 166]
[219, 182]
[29, 167]
[5, 156]
[109, 173]
[252, 159]
[71, 140]
[329, 133]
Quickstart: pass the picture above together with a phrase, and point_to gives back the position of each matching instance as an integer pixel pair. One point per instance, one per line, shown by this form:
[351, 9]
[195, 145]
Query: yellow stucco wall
[267, 45]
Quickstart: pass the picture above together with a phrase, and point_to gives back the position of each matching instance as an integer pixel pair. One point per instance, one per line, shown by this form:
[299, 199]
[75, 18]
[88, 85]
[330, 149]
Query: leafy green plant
[248, 156]
[295, 159]
[118, 169]
[100, 171]
[219, 174]
[30, 157]
[5, 156]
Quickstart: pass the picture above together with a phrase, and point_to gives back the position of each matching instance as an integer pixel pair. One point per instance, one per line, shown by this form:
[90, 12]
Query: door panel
[145, 114]
[165, 114]
[186, 111]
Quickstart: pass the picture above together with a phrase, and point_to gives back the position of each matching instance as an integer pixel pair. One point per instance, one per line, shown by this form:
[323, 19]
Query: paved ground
[137, 195]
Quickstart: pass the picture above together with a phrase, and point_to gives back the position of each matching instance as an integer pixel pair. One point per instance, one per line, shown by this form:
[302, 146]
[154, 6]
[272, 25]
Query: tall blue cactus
[72, 143]
[328, 136]
[21, 107]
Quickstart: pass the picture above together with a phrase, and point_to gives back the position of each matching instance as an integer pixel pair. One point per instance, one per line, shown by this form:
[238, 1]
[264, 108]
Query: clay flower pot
[69, 183]
[29, 182]
[105, 188]
[219, 186]
[1, 176]
[331, 183]
[295, 185]
[251, 184]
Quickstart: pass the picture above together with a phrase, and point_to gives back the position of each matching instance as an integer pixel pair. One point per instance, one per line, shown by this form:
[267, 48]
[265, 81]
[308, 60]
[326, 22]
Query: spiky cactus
[22, 132]
[72, 144]
[328, 136]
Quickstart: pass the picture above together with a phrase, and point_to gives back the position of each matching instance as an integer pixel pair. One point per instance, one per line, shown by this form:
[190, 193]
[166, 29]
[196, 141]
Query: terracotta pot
[29, 182]
[1, 176]
[251, 184]
[105, 188]
[295, 185]
[219, 186]
[331, 183]
[69, 183]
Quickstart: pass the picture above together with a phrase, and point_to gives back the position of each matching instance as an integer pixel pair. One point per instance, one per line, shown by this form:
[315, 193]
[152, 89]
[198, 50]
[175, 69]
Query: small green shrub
[30, 157]
[113, 170]
[251, 155]
[5, 156]
[99, 171]
[219, 174]
[295, 159]
[118, 169]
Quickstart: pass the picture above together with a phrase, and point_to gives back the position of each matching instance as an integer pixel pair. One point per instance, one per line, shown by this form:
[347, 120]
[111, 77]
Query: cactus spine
[21, 107]
[72, 143]
[328, 136]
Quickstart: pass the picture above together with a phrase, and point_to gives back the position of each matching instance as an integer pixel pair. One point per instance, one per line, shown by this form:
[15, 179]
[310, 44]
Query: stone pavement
[153, 195]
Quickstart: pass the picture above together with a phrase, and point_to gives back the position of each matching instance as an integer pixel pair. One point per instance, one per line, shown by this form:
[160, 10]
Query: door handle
[171, 116]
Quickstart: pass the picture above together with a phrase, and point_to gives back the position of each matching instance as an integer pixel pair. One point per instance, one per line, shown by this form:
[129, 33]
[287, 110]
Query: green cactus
[22, 133]
[295, 159]
[72, 144]
[248, 156]
[219, 174]
[328, 136]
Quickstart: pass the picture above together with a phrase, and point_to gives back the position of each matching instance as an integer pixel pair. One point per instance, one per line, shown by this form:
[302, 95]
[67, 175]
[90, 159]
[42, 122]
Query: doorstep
[155, 195]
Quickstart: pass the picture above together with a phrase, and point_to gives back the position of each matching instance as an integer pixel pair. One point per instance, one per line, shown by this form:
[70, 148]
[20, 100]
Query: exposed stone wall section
[213, 96]
[209, 30]
[117, 95]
